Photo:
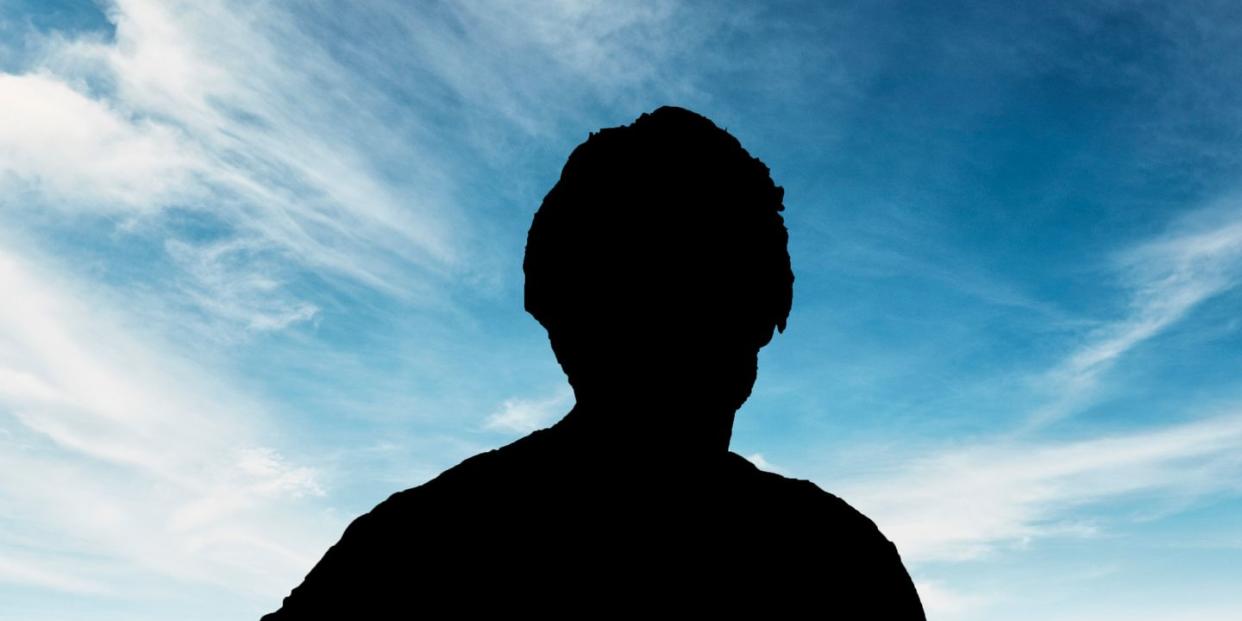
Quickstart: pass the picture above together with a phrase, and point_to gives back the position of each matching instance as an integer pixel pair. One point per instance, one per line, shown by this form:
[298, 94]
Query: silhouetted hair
[666, 214]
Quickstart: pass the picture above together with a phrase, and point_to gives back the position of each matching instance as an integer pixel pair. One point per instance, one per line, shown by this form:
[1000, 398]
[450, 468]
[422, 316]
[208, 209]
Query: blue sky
[261, 267]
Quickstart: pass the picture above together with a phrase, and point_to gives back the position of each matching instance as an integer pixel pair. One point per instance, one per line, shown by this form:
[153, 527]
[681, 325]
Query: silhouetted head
[658, 263]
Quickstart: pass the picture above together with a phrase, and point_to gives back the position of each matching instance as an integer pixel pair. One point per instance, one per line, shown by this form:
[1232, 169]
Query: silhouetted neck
[663, 433]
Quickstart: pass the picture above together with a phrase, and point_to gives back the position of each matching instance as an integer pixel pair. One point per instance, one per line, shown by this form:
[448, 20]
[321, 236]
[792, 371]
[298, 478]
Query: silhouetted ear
[769, 333]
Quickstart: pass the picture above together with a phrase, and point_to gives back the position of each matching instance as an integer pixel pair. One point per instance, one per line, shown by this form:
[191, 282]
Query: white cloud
[220, 112]
[963, 503]
[969, 502]
[526, 415]
[234, 282]
[941, 602]
[1166, 279]
[119, 451]
[762, 463]
[350, 158]
[292, 153]
[1175, 613]
[35, 571]
[81, 152]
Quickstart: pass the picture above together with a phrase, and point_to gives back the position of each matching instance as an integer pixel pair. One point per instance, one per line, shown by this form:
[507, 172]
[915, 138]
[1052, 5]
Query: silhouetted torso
[553, 522]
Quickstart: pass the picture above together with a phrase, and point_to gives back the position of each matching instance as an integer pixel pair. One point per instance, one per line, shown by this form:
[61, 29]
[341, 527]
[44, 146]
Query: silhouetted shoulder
[805, 494]
[849, 550]
[543, 511]
[425, 535]
[490, 471]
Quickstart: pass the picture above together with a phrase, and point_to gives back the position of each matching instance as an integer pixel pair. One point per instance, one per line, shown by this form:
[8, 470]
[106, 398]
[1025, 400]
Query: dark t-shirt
[551, 525]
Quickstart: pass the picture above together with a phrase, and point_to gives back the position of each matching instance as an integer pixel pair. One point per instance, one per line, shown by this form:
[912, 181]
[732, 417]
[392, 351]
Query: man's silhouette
[658, 266]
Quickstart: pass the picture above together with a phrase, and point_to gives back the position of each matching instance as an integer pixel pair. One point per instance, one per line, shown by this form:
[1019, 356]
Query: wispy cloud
[119, 451]
[1172, 613]
[236, 281]
[81, 153]
[940, 601]
[526, 415]
[966, 502]
[1166, 278]
[350, 158]
[237, 117]
[762, 463]
[248, 147]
